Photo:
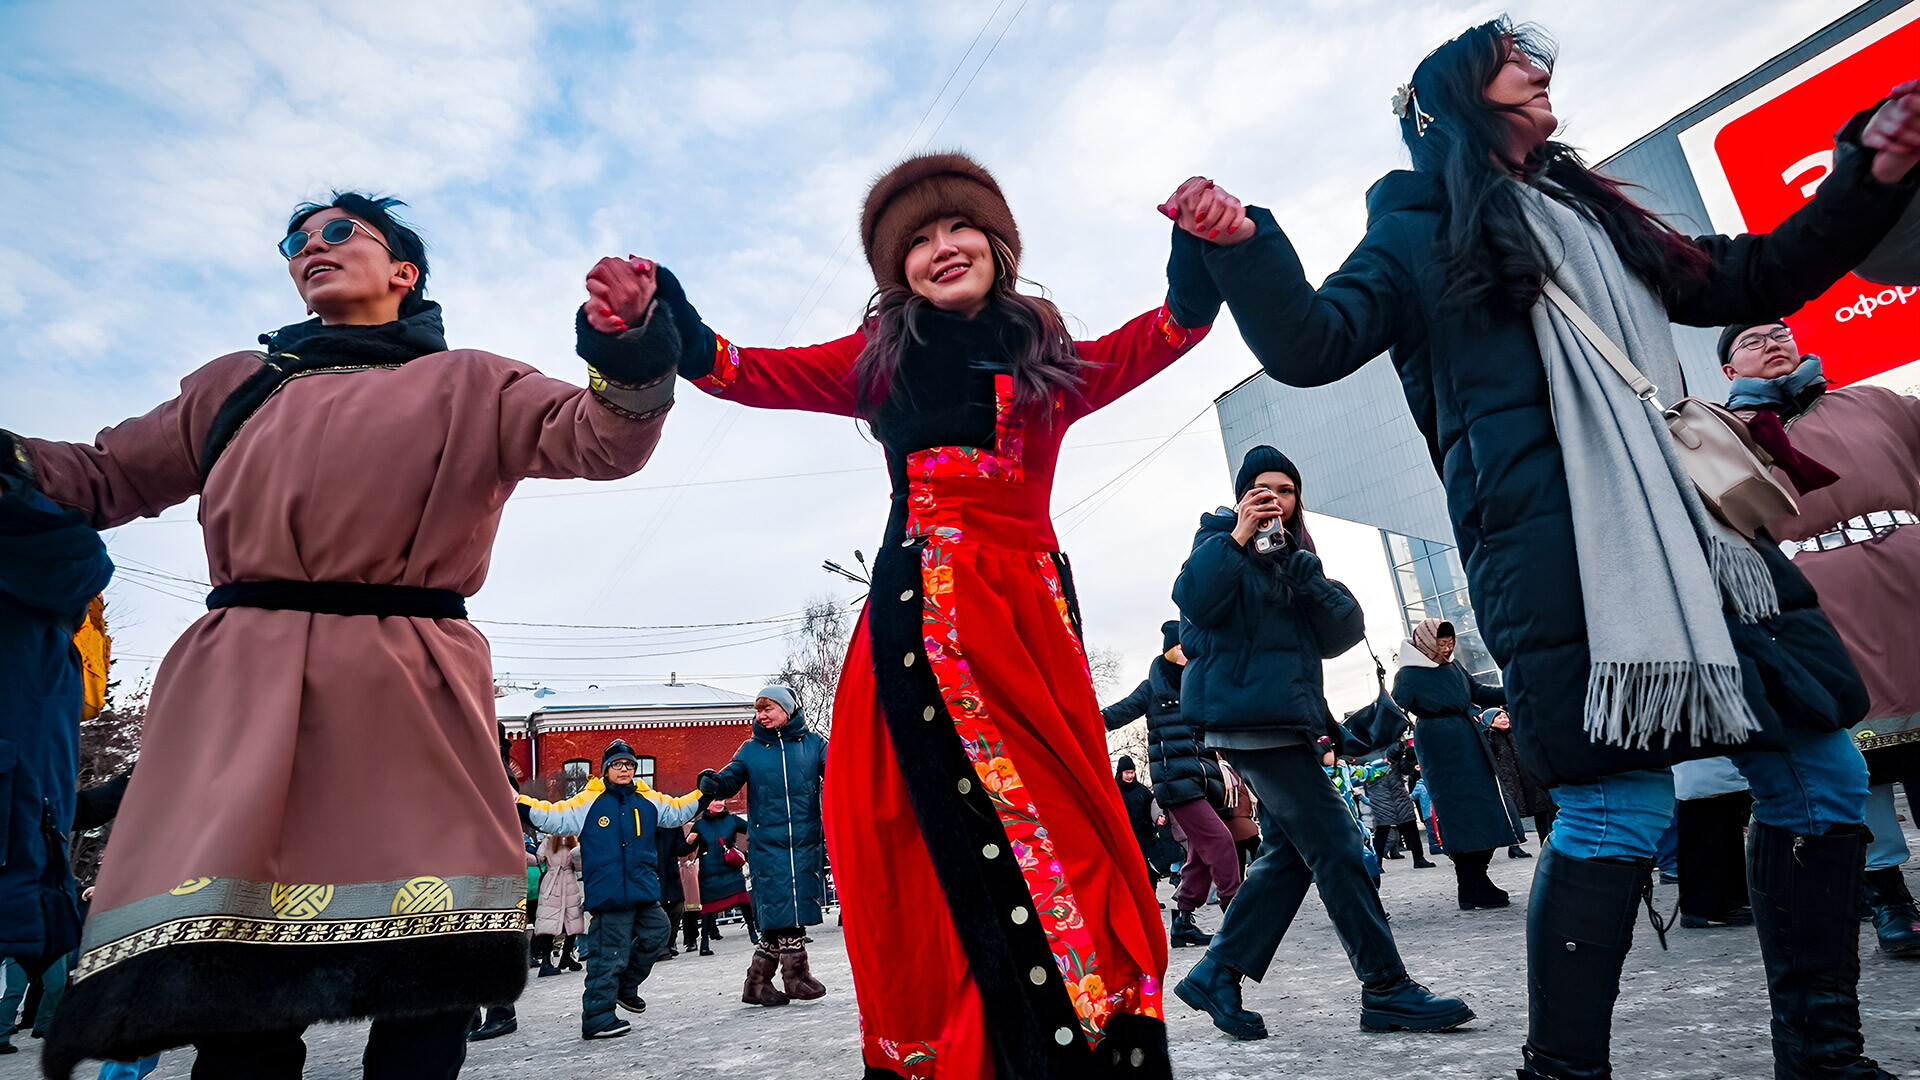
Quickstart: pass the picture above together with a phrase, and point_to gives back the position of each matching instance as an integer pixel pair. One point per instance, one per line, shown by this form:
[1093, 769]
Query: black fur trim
[637, 357]
[174, 995]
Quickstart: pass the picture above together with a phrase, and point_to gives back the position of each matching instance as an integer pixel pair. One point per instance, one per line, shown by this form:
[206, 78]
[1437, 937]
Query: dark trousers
[621, 947]
[1409, 833]
[1713, 853]
[676, 910]
[422, 1048]
[1543, 824]
[1211, 863]
[1308, 840]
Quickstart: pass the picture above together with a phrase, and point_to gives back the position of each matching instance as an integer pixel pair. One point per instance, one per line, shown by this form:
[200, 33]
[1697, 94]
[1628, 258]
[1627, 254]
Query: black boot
[568, 961]
[1214, 989]
[1806, 891]
[705, 925]
[710, 925]
[1895, 918]
[543, 951]
[1476, 889]
[1579, 928]
[1400, 1004]
[1187, 932]
[1515, 851]
[500, 1021]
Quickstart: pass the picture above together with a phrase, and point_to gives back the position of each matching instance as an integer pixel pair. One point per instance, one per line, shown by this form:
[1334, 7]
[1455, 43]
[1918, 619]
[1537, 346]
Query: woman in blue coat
[1632, 628]
[782, 766]
[1474, 818]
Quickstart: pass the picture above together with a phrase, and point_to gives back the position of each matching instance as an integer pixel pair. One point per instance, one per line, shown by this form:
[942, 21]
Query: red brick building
[676, 729]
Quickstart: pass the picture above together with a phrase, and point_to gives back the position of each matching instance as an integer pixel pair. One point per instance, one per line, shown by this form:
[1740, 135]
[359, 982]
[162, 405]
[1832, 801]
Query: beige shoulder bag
[1734, 475]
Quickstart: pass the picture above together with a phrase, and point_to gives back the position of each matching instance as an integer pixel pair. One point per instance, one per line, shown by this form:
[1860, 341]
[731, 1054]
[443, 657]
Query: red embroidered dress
[997, 910]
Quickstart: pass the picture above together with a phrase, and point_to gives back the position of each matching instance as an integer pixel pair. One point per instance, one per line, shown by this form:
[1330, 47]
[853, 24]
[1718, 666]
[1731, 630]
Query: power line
[1123, 477]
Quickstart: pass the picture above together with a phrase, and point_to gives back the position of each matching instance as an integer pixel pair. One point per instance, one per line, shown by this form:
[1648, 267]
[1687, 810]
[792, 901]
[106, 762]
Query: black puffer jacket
[1138, 799]
[1255, 634]
[1182, 768]
[1477, 389]
[1454, 756]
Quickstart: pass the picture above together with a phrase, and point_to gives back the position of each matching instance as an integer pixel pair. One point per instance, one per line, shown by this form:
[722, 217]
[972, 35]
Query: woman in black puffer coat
[1188, 784]
[1473, 814]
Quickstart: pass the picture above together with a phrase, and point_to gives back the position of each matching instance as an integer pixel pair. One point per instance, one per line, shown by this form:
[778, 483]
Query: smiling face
[950, 262]
[353, 282]
[768, 714]
[1521, 84]
[1759, 353]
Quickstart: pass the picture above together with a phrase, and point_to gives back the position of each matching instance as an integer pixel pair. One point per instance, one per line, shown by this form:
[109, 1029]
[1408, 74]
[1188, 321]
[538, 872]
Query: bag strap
[1642, 386]
[1379, 669]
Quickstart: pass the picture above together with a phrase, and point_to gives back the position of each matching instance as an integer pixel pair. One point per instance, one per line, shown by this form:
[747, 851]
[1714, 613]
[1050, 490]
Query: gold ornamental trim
[228, 928]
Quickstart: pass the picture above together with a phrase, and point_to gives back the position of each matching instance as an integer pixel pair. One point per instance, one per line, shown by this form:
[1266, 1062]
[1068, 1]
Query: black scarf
[313, 346]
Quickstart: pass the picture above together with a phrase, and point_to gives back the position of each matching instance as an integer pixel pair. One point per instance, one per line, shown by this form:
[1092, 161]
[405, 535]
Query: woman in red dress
[967, 776]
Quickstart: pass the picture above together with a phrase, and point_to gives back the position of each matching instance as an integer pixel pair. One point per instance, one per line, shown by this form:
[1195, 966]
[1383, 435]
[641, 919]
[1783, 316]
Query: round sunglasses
[333, 232]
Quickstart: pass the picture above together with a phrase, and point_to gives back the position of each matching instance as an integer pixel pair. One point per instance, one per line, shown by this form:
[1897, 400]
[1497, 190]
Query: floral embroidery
[726, 368]
[1050, 574]
[1172, 332]
[913, 1060]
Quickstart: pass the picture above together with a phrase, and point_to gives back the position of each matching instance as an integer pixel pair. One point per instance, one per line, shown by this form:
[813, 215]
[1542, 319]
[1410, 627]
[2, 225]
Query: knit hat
[1125, 763]
[618, 750]
[1262, 459]
[920, 189]
[1734, 330]
[1169, 635]
[780, 696]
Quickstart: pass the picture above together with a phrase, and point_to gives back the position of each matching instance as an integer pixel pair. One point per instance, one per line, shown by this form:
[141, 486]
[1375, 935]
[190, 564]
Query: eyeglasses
[333, 232]
[1757, 341]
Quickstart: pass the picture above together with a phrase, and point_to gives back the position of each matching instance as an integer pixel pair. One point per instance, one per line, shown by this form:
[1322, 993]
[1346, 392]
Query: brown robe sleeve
[141, 466]
[554, 430]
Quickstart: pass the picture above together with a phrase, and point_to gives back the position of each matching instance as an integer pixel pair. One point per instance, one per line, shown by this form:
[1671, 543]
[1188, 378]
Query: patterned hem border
[252, 931]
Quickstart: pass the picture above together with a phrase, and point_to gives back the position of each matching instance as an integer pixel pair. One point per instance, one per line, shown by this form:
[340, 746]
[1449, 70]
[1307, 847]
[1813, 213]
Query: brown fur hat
[920, 189]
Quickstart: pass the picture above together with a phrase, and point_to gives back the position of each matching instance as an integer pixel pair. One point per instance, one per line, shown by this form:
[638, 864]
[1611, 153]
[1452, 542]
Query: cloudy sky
[151, 153]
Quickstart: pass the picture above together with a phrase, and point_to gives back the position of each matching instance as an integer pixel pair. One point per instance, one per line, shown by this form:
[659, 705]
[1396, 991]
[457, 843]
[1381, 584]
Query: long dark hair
[378, 210]
[1490, 256]
[1044, 359]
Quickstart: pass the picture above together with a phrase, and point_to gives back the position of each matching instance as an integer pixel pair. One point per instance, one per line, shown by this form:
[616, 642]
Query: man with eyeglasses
[1853, 455]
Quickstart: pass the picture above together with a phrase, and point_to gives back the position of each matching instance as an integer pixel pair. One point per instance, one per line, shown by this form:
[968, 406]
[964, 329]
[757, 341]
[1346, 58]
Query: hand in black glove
[708, 783]
[1304, 570]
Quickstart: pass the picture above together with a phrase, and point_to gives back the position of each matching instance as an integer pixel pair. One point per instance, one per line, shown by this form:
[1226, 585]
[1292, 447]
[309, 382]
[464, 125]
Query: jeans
[1212, 863]
[128, 1070]
[621, 947]
[1819, 782]
[419, 1048]
[1308, 839]
[15, 978]
[1889, 847]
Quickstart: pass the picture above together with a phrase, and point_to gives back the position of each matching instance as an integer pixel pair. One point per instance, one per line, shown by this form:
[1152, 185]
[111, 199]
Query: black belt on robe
[340, 598]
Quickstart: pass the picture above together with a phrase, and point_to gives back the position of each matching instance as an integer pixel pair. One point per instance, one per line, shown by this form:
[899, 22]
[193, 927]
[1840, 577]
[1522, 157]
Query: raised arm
[141, 466]
[723, 783]
[673, 810]
[1305, 336]
[1129, 708]
[567, 817]
[50, 558]
[1770, 274]
[1148, 344]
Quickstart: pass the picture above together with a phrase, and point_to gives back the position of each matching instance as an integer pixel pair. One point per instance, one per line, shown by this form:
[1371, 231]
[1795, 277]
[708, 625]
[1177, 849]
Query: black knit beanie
[1263, 459]
[617, 750]
[1125, 763]
[1169, 635]
[1727, 336]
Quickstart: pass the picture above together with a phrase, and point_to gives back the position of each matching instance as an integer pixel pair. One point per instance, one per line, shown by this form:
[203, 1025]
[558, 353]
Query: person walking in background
[1258, 616]
[615, 817]
[1142, 811]
[1189, 786]
[720, 839]
[1526, 794]
[1853, 455]
[1350, 779]
[1472, 811]
[690, 916]
[671, 845]
[562, 910]
[783, 767]
[1632, 628]
[1394, 813]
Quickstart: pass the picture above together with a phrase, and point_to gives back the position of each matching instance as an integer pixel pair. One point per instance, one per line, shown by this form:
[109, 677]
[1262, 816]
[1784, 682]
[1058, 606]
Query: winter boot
[705, 937]
[1476, 889]
[795, 975]
[543, 951]
[568, 961]
[1805, 892]
[1895, 918]
[752, 923]
[690, 930]
[1400, 1004]
[1579, 928]
[711, 925]
[1515, 851]
[760, 989]
[1214, 989]
[1187, 932]
[500, 1021]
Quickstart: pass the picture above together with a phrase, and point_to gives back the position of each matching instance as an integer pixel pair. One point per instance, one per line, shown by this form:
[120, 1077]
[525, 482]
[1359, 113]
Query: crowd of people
[352, 474]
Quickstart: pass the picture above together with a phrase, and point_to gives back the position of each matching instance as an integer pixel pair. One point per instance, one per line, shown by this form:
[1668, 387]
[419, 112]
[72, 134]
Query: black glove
[708, 783]
[638, 357]
[1304, 570]
[1192, 297]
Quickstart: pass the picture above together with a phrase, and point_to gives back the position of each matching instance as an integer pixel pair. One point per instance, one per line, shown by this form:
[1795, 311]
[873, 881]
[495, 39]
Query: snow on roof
[640, 696]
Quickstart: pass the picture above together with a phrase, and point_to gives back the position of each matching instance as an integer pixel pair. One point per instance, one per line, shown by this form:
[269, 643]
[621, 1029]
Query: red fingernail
[1230, 229]
[1213, 234]
[607, 311]
[620, 324]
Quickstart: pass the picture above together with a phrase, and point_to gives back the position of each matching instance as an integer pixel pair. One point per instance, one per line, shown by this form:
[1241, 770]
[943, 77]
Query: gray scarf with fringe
[1657, 571]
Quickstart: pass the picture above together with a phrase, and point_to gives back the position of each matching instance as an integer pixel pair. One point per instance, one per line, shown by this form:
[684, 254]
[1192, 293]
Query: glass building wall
[1430, 581]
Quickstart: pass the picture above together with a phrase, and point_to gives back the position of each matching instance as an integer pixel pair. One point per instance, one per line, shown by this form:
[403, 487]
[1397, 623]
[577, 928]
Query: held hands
[619, 292]
[1208, 212]
[1256, 508]
[1894, 133]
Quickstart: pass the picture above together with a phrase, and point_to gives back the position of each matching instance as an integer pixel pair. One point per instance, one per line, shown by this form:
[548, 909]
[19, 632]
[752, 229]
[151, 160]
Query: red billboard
[1773, 148]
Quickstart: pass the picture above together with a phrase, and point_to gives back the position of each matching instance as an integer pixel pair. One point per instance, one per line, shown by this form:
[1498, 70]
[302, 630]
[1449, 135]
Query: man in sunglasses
[1852, 538]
